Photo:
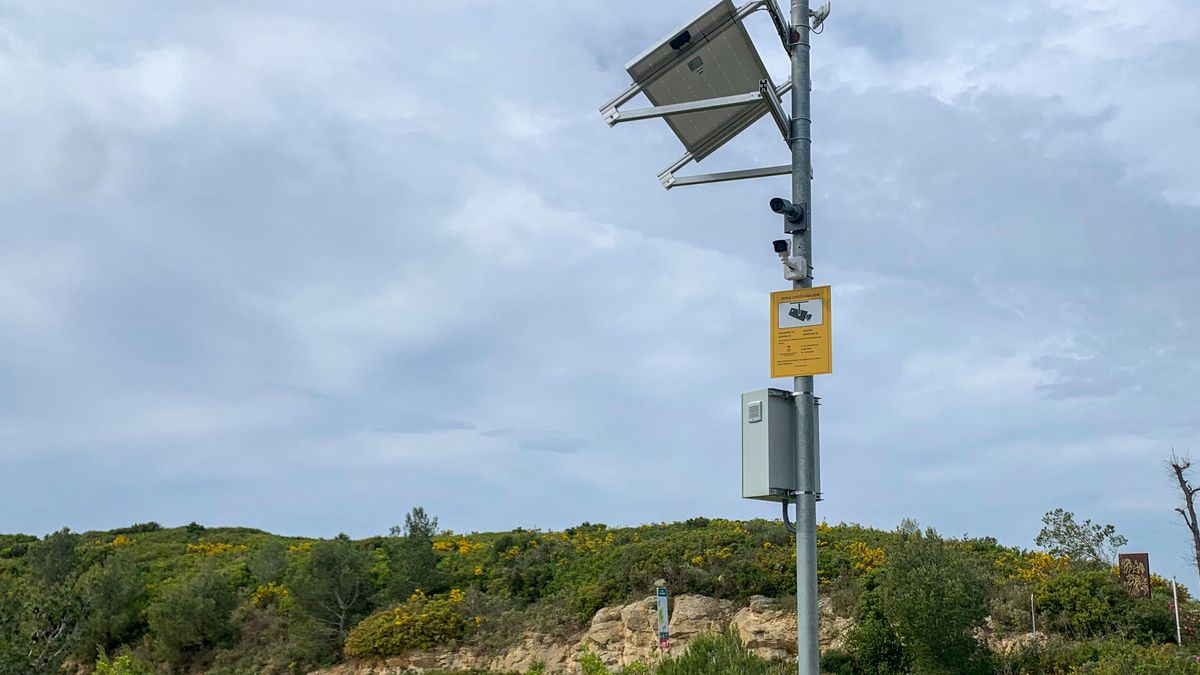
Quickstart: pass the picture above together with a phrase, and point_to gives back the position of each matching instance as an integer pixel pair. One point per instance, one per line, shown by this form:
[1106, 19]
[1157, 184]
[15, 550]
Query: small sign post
[664, 629]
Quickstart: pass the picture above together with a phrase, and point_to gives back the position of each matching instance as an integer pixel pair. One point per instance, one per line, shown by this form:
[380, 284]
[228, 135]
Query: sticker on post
[800, 333]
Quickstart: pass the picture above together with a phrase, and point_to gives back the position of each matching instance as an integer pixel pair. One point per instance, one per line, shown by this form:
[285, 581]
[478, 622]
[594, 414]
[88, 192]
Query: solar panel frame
[728, 64]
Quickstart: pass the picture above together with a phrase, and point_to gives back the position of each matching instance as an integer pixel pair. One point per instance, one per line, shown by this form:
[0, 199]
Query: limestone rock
[766, 630]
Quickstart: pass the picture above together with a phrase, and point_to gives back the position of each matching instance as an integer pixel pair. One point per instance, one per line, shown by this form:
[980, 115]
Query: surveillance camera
[819, 15]
[795, 268]
[791, 212]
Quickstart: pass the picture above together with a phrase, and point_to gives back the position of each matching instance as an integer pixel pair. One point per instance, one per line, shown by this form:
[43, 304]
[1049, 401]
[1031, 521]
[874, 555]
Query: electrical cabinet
[768, 444]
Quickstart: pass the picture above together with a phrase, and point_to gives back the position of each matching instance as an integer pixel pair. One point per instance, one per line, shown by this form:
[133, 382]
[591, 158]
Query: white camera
[795, 268]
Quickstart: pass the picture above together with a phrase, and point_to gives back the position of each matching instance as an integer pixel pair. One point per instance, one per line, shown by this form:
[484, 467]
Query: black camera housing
[793, 214]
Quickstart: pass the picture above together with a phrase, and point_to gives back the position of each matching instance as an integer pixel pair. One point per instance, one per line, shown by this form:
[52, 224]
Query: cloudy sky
[303, 266]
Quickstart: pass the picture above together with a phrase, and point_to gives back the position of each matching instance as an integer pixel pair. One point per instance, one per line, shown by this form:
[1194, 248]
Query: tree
[874, 647]
[114, 594]
[54, 558]
[332, 583]
[1179, 467]
[14, 658]
[1061, 535]
[934, 597]
[269, 562]
[193, 614]
[413, 562]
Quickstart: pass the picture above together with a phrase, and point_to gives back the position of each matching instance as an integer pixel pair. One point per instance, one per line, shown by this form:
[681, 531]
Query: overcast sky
[302, 266]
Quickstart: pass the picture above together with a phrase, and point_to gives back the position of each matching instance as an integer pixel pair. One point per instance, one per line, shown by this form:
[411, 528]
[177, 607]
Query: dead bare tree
[1179, 467]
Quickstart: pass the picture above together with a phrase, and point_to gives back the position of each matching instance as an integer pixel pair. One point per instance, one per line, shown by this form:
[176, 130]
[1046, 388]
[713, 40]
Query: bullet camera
[791, 212]
[794, 268]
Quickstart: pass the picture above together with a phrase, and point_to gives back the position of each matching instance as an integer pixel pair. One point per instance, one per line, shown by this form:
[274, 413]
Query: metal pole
[1175, 603]
[1033, 617]
[808, 655]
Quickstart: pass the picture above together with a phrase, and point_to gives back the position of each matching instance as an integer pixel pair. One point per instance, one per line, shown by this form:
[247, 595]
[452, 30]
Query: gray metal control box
[768, 444]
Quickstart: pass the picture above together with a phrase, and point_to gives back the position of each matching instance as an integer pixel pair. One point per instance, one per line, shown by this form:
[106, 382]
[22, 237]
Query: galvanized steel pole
[808, 655]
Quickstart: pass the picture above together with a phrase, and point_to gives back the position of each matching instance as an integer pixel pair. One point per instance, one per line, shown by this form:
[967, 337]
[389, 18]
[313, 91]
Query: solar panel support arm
[782, 120]
[670, 180]
[614, 116]
[781, 25]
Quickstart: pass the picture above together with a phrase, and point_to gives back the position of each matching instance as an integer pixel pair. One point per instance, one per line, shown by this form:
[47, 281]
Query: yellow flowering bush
[420, 623]
[271, 592]
[210, 549]
[120, 540]
[304, 547]
[1031, 568]
[864, 558]
[461, 546]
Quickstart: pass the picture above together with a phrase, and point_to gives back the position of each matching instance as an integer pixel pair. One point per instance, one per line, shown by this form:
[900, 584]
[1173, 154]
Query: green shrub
[275, 637]
[125, 664]
[837, 662]
[1149, 620]
[590, 664]
[710, 654]
[1081, 603]
[934, 596]
[876, 649]
[420, 623]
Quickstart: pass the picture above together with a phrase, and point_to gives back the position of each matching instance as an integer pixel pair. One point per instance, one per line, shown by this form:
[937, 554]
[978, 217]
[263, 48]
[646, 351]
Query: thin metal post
[808, 655]
[1175, 603]
[1033, 617]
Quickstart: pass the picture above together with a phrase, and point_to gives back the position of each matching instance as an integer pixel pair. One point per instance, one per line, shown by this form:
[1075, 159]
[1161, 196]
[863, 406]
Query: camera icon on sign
[799, 314]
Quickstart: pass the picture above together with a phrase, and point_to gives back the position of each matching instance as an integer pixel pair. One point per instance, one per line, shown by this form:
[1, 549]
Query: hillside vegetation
[146, 599]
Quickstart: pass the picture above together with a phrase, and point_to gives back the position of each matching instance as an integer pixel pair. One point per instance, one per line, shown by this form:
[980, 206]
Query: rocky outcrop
[765, 629]
[624, 634]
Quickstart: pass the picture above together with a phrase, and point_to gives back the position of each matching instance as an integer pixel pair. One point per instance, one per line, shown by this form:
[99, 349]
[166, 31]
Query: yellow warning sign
[800, 343]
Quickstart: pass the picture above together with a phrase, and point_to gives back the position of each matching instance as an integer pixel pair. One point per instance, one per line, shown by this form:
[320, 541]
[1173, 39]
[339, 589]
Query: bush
[709, 654]
[1081, 603]
[1128, 658]
[590, 664]
[837, 662]
[1150, 620]
[934, 597]
[420, 623]
[125, 664]
[875, 648]
[275, 637]
[1097, 657]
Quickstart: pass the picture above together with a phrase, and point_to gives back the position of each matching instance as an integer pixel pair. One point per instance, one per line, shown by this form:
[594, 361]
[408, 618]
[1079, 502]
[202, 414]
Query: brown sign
[1135, 573]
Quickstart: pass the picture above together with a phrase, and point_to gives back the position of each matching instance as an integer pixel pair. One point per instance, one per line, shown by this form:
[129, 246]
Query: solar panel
[710, 57]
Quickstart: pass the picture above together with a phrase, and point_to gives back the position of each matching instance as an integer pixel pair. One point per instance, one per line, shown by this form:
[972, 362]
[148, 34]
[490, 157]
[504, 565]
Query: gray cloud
[303, 270]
